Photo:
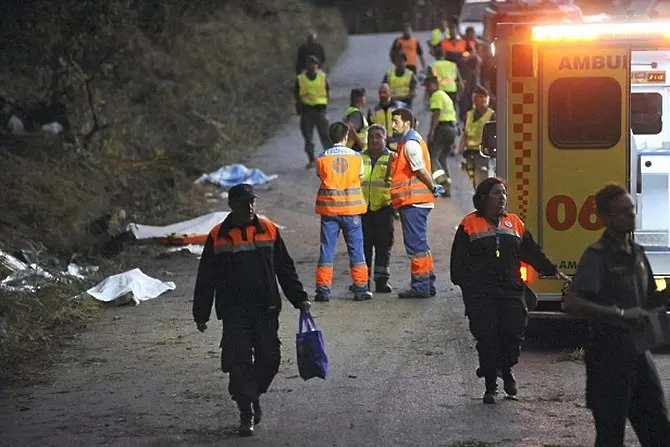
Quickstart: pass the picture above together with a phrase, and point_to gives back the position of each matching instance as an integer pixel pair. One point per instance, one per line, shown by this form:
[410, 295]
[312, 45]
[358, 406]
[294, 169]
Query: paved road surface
[401, 374]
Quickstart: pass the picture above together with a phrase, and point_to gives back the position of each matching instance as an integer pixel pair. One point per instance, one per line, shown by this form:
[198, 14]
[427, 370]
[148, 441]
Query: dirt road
[401, 371]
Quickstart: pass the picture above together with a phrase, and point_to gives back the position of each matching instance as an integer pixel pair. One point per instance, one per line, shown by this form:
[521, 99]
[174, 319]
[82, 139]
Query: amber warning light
[594, 31]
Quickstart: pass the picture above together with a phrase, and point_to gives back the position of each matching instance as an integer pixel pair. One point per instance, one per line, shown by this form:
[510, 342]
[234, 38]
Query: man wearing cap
[243, 258]
[442, 134]
[311, 95]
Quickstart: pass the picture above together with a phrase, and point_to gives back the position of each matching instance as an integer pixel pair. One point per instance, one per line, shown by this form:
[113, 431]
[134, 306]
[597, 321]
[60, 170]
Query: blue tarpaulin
[231, 175]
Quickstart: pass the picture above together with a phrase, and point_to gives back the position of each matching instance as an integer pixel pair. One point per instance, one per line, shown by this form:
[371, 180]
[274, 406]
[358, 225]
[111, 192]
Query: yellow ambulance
[581, 105]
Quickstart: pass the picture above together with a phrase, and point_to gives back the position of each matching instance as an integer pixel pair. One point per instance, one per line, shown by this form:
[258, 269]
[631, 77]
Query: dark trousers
[378, 229]
[439, 148]
[311, 117]
[643, 405]
[250, 353]
[498, 325]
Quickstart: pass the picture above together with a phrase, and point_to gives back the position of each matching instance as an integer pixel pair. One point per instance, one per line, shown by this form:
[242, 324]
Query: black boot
[246, 419]
[382, 286]
[509, 383]
[491, 390]
[258, 413]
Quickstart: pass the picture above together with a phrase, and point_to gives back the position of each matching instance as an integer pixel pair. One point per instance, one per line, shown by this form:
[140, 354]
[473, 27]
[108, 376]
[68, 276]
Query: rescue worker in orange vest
[486, 257]
[442, 135]
[381, 114]
[354, 118]
[453, 44]
[311, 95]
[340, 202]
[243, 258]
[410, 46]
[413, 193]
[401, 80]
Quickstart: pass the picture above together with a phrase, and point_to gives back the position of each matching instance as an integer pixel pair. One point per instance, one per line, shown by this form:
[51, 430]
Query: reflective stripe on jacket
[313, 92]
[474, 129]
[340, 193]
[406, 187]
[377, 180]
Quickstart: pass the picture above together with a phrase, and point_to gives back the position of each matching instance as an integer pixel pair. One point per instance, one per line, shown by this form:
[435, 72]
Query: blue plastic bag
[312, 358]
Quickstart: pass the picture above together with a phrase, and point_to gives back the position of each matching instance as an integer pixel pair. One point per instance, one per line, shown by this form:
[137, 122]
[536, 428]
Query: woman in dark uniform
[486, 256]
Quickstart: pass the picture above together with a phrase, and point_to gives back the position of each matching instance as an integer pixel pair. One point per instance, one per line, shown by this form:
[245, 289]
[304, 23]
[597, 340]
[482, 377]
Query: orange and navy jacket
[239, 269]
[487, 259]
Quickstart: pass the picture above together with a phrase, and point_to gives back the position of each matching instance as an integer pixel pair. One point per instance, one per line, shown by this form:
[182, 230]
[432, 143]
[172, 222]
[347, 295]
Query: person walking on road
[614, 288]
[381, 113]
[413, 193]
[442, 134]
[401, 80]
[354, 117]
[486, 257]
[243, 258]
[311, 94]
[311, 47]
[410, 46]
[447, 74]
[378, 221]
[340, 202]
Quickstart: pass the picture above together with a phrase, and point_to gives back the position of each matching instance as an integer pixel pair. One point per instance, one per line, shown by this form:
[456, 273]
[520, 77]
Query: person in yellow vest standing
[355, 119]
[447, 75]
[401, 80]
[442, 135]
[475, 119]
[311, 94]
[410, 46]
[340, 202]
[378, 221]
[413, 193]
[437, 35]
[381, 114]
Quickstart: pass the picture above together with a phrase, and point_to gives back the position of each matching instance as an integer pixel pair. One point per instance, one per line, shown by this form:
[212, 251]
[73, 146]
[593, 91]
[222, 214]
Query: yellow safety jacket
[399, 85]
[440, 100]
[376, 182]
[313, 92]
[474, 130]
[438, 35]
[382, 116]
[363, 133]
[446, 73]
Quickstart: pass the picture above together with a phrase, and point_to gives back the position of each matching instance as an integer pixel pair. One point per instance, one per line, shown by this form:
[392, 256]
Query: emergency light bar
[593, 31]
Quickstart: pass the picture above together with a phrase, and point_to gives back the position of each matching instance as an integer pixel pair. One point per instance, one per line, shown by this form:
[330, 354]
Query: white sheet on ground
[143, 287]
[192, 248]
[199, 226]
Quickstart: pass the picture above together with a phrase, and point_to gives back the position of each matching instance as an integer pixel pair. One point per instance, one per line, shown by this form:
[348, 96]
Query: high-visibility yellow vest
[363, 133]
[376, 182]
[474, 130]
[438, 35]
[440, 99]
[313, 92]
[399, 85]
[446, 73]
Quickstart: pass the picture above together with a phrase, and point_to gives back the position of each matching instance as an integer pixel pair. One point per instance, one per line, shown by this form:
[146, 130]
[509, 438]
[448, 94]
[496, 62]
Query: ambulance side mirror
[489, 143]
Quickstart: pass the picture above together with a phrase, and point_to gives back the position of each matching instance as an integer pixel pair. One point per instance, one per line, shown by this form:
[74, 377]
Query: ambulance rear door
[584, 141]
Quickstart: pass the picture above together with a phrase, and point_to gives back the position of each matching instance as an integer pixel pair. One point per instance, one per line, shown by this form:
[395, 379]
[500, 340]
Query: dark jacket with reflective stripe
[476, 267]
[239, 269]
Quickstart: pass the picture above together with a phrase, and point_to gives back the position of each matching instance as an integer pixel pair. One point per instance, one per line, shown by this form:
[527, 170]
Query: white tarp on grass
[134, 281]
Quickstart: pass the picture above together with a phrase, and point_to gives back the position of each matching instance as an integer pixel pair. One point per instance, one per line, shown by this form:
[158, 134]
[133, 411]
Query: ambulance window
[646, 113]
[585, 113]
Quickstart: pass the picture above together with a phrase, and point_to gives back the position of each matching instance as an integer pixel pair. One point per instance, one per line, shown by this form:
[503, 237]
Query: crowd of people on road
[375, 166]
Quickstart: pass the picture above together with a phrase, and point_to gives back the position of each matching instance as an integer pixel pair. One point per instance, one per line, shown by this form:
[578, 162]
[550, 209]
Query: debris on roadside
[135, 282]
[231, 175]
